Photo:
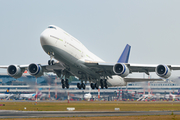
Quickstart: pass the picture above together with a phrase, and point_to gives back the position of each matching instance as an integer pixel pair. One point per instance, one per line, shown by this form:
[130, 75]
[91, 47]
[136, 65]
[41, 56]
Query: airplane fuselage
[73, 54]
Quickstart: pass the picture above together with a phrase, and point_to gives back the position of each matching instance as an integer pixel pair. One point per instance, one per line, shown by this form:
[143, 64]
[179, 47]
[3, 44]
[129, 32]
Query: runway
[38, 114]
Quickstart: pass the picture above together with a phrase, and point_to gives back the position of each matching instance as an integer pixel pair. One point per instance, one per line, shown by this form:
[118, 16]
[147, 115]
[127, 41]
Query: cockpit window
[51, 27]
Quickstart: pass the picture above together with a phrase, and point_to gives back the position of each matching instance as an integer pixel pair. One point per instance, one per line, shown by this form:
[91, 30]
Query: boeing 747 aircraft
[74, 59]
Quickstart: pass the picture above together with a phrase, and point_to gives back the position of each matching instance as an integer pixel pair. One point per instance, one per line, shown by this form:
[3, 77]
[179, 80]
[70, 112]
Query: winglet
[125, 55]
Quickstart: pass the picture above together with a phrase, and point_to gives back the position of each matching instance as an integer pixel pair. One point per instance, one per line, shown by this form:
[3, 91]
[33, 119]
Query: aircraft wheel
[79, 85]
[91, 85]
[63, 86]
[96, 86]
[67, 86]
[83, 86]
[105, 84]
[66, 81]
[49, 62]
[101, 81]
[102, 84]
[52, 62]
[62, 81]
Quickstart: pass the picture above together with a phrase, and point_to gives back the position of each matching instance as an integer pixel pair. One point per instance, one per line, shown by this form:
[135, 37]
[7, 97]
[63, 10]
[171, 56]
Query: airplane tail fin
[7, 91]
[125, 55]
[40, 89]
[178, 91]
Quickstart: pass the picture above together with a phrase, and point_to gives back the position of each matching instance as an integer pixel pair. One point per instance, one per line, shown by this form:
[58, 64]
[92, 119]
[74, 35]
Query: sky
[104, 26]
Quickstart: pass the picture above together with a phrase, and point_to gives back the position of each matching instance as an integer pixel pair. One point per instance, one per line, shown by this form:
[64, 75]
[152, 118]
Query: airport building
[51, 85]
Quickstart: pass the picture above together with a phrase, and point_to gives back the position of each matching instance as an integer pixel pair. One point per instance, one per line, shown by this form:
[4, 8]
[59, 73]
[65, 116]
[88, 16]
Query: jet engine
[35, 70]
[121, 69]
[163, 71]
[14, 71]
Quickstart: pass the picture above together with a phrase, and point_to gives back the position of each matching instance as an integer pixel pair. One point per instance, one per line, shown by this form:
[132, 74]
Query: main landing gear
[103, 84]
[65, 83]
[82, 85]
[94, 85]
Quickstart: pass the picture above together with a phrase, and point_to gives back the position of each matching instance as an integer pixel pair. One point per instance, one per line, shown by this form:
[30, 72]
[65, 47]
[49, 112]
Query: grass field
[153, 117]
[95, 106]
[91, 106]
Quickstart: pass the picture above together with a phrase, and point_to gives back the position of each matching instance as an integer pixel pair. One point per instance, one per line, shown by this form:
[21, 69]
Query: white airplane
[31, 95]
[27, 96]
[88, 96]
[172, 96]
[6, 94]
[74, 59]
[146, 96]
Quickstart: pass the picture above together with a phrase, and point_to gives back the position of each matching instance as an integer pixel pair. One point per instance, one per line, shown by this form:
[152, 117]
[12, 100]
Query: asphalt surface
[38, 114]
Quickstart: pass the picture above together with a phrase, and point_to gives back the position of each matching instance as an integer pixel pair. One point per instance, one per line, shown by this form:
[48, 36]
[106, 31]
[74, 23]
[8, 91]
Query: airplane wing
[123, 68]
[141, 68]
[9, 95]
[36, 70]
[46, 68]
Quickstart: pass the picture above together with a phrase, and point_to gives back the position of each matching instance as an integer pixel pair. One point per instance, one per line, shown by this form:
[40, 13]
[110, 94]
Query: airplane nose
[44, 38]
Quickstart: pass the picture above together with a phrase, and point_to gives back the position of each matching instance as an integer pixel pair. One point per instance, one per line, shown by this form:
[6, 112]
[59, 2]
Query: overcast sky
[152, 28]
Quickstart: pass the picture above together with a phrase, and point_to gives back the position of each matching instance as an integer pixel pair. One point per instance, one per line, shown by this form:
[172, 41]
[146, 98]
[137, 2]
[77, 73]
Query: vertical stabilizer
[7, 91]
[125, 55]
[178, 92]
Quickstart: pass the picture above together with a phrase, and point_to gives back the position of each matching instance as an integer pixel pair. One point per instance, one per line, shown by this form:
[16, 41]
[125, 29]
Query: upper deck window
[51, 27]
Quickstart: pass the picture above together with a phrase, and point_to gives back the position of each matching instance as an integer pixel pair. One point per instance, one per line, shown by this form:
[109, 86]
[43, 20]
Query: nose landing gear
[51, 62]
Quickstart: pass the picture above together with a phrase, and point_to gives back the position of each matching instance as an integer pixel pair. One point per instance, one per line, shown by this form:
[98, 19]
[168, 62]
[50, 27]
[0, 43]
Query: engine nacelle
[35, 70]
[14, 71]
[121, 69]
[163, 71]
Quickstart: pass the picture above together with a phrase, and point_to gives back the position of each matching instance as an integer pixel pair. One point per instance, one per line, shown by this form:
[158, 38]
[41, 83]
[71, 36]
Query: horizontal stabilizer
[125, 55]
[140, 79]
